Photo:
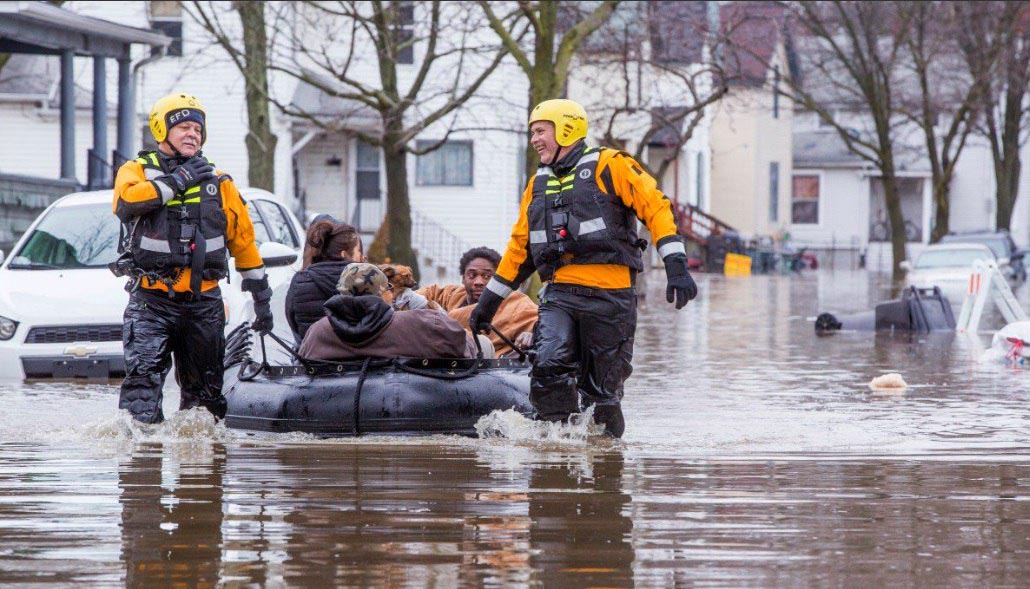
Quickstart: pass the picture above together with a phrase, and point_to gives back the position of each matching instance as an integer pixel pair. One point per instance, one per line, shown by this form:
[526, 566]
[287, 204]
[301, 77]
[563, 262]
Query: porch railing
[697, 225]
[437, 249]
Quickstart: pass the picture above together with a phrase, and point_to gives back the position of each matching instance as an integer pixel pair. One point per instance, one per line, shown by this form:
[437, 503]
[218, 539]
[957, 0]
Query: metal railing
[437, 249]
[100, 172]
[697, 225]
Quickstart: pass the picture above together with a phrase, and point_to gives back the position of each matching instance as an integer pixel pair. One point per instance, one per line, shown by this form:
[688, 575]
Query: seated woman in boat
[360, 324]
[329, 247]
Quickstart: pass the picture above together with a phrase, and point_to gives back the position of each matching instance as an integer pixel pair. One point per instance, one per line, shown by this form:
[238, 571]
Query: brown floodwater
[755, 455]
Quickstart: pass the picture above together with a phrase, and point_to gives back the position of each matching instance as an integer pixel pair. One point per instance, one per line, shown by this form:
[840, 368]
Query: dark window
[448, 165]
[776, 92]
[366, 173]
[774, 191]
[805, 195]
[405, 32]
[173, 29]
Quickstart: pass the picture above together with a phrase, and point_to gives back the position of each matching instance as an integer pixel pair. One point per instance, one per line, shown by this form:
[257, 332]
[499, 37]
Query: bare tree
[944, 104]
[252, 61]
[996, 39]
[357, 54]
[853, 57]
[667, 77]
[547, 64]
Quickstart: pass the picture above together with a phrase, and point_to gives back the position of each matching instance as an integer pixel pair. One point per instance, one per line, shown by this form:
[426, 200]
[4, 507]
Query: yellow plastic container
[737, 265]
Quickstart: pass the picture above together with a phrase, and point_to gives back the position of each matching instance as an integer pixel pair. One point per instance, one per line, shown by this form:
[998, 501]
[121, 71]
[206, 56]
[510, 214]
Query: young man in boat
[184, 219]
[577, 228]
[360, 324]
[515, 317]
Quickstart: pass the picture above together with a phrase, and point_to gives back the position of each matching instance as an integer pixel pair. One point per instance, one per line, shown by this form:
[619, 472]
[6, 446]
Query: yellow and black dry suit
[174, 238]
[577, 228]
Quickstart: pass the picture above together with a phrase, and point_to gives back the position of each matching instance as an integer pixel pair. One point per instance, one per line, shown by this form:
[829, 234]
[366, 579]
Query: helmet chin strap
[554, 160]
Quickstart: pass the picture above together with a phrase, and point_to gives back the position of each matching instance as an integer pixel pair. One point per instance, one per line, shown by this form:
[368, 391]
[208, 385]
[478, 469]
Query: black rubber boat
[399, 397]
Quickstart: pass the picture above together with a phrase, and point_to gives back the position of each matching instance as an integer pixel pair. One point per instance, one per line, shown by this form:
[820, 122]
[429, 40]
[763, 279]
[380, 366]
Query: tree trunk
[897, 222]
[1006, 175]
[1007, 166]
[941, 197]
[260, 140]
[398, 205]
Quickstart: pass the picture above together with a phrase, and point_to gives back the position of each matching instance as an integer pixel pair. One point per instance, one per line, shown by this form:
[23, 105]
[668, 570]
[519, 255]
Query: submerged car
[61, 307]
[1008, 257]
[948, 266]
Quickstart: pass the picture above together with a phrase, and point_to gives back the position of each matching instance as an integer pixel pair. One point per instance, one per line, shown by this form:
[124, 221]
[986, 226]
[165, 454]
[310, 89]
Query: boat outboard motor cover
[918, 309]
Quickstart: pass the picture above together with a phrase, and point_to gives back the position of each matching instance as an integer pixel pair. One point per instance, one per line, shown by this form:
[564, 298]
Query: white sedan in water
[948, 266]
[61, 308]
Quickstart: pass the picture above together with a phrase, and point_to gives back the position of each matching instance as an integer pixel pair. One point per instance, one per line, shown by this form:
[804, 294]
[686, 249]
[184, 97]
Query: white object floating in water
[888, 382]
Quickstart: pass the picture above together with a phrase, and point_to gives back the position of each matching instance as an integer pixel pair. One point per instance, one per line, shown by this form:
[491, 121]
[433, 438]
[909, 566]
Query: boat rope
[511, 344]
[357, 396]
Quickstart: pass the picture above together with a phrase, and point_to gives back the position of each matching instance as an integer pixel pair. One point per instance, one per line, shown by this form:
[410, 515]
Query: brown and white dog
[401, 296]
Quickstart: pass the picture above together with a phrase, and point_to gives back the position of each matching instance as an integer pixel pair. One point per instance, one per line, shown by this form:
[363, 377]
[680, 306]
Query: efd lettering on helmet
[174, 109]
[568, 116]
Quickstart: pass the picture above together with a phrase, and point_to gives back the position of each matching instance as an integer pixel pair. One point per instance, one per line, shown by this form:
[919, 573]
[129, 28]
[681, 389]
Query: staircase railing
[697, 225]
[438, 250]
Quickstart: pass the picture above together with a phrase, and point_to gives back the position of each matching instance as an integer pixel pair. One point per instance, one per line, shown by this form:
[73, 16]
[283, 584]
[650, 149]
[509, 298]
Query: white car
[948, 266]
[61, 307]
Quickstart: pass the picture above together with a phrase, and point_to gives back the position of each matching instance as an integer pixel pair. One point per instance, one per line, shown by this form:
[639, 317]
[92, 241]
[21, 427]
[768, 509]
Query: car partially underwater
[61, 307]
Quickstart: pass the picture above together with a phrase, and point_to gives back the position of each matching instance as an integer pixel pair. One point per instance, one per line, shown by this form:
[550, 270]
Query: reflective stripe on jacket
[166, 227]
[620, 189]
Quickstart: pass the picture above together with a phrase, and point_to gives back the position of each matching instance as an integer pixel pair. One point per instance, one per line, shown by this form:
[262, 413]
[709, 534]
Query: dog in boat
[402, 296]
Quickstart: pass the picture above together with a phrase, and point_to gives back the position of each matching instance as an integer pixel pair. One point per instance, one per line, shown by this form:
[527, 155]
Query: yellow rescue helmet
[569, 118]
[174, 109]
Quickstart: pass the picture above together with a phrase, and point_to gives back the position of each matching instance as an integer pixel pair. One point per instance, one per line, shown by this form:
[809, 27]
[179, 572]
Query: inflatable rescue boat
[374, 396]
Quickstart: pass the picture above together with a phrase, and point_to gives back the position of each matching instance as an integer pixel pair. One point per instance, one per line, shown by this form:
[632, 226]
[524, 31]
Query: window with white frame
[448, 165]
[805, 199]
[405, 31]
[166, 17]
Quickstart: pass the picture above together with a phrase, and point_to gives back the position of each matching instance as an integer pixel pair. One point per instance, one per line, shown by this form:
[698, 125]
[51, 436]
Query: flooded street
[755, 455]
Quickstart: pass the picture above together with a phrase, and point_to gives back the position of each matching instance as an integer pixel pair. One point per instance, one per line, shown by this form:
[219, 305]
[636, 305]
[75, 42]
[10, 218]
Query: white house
[837, 200]
[462, 195]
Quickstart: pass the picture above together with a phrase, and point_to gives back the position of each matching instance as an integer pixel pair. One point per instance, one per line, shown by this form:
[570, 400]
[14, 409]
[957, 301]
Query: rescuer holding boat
[183, 219]
[577, 228]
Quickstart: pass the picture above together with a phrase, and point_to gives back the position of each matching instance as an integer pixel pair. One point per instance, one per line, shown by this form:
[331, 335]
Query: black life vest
[187, 232]
[572, 215]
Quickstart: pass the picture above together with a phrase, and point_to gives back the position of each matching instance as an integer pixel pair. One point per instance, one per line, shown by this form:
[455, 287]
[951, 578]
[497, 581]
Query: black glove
[679, 279]
[484, 312]
[189, 174]
[259, 289]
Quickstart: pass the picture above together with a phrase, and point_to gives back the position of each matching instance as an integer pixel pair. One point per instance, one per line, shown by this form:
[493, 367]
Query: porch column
[99, 171]
[67, 114]
[125, 108]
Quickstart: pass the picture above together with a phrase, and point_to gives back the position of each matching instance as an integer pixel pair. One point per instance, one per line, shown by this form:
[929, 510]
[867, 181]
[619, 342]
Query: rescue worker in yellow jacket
[182, 221]
[577, 228]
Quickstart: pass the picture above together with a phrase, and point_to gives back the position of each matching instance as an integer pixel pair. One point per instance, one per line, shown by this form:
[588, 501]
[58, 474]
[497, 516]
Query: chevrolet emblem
[80, 351]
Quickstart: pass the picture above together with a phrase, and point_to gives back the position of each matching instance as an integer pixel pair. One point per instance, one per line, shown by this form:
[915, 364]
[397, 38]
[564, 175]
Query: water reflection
[580, 532]
[357, 515]
[171, 518]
